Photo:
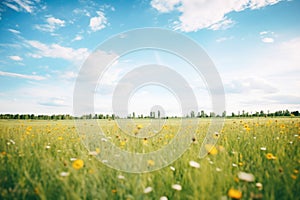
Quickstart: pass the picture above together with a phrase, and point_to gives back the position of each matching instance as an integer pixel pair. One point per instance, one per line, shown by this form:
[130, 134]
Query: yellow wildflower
[216, 135]
[151, 162]
[293, 176]
[235, 194]
[270, 156]
[78, 164]
[211, 149]
[122, 143]
[139, 126]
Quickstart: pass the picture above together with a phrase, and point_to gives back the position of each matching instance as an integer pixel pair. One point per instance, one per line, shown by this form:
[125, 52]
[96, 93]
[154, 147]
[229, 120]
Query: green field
[43, 160]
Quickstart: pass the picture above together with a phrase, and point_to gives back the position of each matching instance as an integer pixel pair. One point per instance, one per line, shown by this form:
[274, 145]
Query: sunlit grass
[256, 158]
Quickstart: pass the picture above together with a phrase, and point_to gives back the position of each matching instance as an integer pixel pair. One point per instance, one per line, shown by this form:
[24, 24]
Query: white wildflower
[148, 190]
[246, 176]
[194, 164]
[177, 187]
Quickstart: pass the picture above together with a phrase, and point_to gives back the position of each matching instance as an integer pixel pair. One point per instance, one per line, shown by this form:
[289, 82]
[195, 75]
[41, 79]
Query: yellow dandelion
[293, 176]
[145, 141]
[165, 127]
[114, 191]
[150, 162]
[296, 171]
[60, 138]
[98, 150]
[139, 126]
[282, 126]
[234, 194]
[270, 156]
[241, 164]
[211, 149]
[78, 164]
[216, 135]
[122, 143]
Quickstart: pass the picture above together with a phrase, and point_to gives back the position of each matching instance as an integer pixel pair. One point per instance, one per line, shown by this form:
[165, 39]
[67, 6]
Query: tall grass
[36, 162]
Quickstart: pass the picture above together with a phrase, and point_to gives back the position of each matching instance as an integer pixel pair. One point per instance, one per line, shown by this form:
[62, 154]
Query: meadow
[255, 158]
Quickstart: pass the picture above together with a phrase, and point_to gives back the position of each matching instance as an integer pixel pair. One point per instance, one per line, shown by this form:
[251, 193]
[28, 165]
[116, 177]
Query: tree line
[192, 114]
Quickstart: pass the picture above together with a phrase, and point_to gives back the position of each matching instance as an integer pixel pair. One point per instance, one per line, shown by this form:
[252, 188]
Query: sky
[254, 45]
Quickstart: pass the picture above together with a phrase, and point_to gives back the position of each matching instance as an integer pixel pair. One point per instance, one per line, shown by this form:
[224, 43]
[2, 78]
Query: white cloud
[57, 102]
[275, 78]
[13, 31]
[78, 11]
[267, 36]
[68, 75]
[255, 4]
[99, 22]
[196, 14]
[19, 5]
[222, 25]
[31, 77]
[57, 51]
[16, 58]
[52, 24]
[267, 40]
[249, 85]
[222, 39]
[54, 21]
[15, 8]
[26, 5]
[77, 38]
[263, 32]
[164, 6]
[39, 98]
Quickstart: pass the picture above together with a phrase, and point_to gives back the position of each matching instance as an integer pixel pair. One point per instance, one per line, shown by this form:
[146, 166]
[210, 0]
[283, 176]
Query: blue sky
[254, 44]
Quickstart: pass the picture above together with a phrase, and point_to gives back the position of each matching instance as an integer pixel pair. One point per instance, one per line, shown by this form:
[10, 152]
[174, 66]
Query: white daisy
[194, 164]
[177, 187]
[148, 190]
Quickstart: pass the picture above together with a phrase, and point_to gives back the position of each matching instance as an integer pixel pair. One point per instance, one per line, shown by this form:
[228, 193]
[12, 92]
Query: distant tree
[261, 114]
[287, 113]
[224, 114]
[202, 113]
[192, 114]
